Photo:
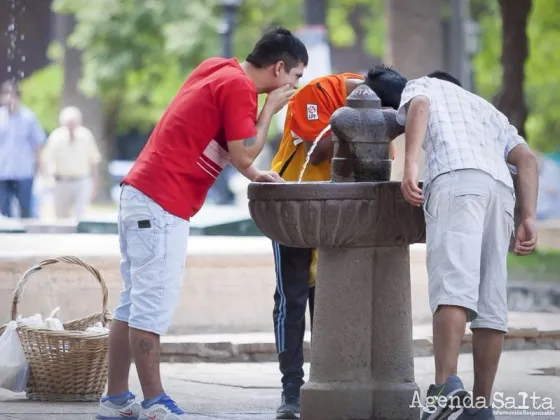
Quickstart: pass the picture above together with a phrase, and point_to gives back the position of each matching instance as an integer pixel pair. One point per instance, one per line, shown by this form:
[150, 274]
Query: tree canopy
[542, 68]
[136, 54]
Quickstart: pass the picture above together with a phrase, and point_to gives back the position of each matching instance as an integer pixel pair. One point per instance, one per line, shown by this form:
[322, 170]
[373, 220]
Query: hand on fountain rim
[267, 176]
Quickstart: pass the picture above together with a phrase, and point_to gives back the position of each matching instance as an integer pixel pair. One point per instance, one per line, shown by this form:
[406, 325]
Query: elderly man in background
[21, 138]
[72, 157]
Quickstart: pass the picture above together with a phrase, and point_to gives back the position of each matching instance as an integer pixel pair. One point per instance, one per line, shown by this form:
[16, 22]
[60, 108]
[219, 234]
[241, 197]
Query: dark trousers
[22, 190]
[290, 304]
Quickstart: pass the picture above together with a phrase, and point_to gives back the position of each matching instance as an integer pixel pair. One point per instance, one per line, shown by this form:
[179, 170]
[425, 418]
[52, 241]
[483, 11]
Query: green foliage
[137, 54]
[486, 64]
[543, 265]
[542, 69]
[42, 93]
[543, 74]
[376, 29]
[341, 32]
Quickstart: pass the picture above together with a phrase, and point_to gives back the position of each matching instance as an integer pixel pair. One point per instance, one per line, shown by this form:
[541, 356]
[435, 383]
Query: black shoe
[289, 409]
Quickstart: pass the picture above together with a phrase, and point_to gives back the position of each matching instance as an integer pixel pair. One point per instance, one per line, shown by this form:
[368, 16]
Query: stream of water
[13, 36]
[315, 142]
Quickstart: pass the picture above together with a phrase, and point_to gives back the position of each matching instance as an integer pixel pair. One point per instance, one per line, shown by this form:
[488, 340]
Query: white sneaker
[164, 409]
[109, 411]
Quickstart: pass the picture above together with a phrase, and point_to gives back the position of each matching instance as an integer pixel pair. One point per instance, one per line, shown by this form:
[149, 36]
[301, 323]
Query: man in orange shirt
[309, 113]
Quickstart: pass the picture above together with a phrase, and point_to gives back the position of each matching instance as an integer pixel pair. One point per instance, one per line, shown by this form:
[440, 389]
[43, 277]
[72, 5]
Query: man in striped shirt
[21, 138]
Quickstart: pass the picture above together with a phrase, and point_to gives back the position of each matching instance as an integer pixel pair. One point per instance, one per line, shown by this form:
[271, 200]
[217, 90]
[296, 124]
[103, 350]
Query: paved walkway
[517, 321]
[251, 391]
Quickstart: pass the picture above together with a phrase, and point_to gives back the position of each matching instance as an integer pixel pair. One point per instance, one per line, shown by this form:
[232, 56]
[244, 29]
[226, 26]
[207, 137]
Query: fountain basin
[335, 214]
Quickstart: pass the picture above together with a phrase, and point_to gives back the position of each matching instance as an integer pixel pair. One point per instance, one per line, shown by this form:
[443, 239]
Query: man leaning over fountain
[468, 199]
[211, 122]
[309, 113]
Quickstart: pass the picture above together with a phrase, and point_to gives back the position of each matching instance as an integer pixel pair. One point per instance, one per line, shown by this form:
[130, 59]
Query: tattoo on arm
[250, 142]
[146, 346]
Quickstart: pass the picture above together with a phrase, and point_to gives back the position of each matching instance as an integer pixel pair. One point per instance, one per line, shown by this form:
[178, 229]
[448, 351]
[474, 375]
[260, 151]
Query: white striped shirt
[464, 131]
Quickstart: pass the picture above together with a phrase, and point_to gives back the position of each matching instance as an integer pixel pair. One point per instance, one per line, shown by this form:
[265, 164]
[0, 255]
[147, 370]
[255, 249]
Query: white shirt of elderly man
[72, 157]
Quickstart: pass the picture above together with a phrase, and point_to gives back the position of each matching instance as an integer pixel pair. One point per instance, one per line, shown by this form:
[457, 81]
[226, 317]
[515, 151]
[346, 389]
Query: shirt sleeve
[511, 139]
[239, 110]
[414, 88]
[310, 113]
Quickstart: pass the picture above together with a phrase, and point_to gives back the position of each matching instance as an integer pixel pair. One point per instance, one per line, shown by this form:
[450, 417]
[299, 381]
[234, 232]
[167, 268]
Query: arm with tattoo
[243, 153]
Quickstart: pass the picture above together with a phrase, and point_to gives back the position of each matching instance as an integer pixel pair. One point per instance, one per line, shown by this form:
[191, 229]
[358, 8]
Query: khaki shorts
[469, 224]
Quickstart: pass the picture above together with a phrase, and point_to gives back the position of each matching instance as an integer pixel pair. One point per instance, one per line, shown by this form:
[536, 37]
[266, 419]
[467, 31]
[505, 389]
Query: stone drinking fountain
[362, 364]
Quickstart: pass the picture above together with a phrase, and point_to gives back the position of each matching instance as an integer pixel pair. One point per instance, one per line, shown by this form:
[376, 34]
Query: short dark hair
[387, 83]
[10, 86]
[442, 75]
[278, 44]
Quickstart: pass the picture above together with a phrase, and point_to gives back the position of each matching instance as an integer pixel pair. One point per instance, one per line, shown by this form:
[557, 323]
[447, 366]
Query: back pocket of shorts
[141, 240]
[468, 211]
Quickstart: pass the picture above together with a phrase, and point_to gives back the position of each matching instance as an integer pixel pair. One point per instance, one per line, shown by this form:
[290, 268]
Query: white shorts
[153, 246]
[469, 224]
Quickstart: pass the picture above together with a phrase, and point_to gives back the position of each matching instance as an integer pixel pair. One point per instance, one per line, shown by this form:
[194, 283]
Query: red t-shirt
[188, 148]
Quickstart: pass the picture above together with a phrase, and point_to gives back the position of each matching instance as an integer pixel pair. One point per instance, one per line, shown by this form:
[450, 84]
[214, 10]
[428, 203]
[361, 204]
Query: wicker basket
[68, 365]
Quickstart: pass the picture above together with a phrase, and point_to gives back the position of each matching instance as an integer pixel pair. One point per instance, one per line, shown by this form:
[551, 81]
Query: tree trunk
[355, 58]
[415, 36]
[515, 49]
[315, 12]
[92, 108]
[415, 47]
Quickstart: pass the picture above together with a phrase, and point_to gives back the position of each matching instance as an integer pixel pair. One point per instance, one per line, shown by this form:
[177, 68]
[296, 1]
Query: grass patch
[543, 265]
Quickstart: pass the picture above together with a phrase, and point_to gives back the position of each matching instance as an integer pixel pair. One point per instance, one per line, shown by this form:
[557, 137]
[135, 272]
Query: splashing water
[12, 34]
[312, 149]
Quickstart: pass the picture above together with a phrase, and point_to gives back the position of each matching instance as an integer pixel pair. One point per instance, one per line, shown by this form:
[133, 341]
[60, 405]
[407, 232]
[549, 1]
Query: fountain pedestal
[362, 364]
[362, 359]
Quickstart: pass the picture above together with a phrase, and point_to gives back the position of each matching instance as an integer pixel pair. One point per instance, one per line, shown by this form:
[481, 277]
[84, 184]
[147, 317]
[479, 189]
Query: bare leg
[449, 324]
[146, 351]
[120, 358]
[487, 349]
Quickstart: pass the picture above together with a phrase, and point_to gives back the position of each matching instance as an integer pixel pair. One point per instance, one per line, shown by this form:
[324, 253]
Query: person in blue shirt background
[21, 139]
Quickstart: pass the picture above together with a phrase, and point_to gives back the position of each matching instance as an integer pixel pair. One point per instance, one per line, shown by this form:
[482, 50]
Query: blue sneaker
[163, 408]
[477, 414]
[125, 407]
[444, 400]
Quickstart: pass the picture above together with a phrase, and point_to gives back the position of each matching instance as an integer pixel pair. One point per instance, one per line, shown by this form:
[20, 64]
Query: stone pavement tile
[252, 392]
[267, 376]
[517, 320]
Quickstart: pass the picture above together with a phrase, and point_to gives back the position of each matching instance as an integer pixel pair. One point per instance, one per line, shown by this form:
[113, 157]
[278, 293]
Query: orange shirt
[309, 112]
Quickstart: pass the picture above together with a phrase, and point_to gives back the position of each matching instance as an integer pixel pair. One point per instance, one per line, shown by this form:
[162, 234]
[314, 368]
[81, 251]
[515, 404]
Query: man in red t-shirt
[211, 122]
